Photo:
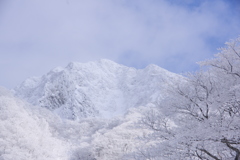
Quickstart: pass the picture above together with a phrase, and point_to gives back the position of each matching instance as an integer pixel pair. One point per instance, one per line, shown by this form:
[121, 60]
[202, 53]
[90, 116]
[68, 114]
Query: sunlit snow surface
[96, 89]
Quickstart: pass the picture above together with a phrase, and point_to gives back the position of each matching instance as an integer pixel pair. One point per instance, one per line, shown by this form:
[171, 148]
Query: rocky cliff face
[103, 89]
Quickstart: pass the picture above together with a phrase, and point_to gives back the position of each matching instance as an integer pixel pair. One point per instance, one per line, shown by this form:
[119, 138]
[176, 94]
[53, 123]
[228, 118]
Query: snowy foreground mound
[97, 89]
[24, 132]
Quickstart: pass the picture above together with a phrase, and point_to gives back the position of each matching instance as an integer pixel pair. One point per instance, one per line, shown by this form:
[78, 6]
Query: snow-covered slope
[97, 89]
[25, 133]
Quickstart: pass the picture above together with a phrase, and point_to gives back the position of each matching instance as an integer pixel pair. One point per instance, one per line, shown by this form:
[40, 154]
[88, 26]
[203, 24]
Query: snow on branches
[205, 111]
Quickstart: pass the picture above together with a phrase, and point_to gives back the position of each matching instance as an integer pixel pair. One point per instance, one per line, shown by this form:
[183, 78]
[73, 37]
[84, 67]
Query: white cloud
[39, 35]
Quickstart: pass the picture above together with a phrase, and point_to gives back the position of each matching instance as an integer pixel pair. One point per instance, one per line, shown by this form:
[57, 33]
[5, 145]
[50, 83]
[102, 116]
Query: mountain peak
[93, 64]
[101, 88]
[107, 61]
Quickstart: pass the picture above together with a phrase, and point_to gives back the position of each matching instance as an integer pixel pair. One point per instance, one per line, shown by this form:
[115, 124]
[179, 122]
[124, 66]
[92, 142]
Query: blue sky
[36, 36]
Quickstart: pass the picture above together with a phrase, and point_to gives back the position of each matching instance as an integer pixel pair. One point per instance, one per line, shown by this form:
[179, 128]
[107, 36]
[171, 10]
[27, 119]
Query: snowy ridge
[97, 89]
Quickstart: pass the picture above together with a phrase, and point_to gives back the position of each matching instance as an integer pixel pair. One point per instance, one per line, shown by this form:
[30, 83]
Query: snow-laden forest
[151, 114]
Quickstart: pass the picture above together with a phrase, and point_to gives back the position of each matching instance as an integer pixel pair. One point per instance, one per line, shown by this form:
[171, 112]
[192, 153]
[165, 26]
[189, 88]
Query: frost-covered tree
[203, 113]
[25, 134]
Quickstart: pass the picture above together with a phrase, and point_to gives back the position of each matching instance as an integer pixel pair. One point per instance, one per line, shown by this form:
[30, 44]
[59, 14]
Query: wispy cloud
[36, 36]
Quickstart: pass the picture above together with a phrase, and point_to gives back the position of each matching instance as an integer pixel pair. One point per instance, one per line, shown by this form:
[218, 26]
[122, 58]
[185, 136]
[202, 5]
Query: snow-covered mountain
[125, 113]
[97, 89]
